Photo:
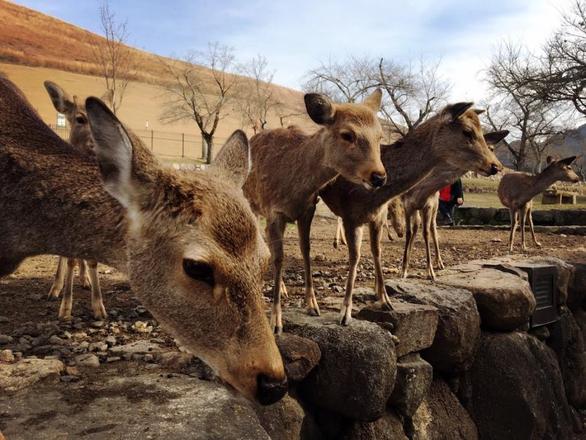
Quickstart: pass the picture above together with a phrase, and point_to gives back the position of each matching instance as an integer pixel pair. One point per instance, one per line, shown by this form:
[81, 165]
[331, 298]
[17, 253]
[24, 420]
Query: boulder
[564, 272]
[26, 372]
[504, 299]
[282, 420]
[577, 287]
[441, 417]
[514, 390]
[138, 407]
[413, 324]
[300, 355]
[388, 427]
[356, 372]
[458, 328]
[414, 377]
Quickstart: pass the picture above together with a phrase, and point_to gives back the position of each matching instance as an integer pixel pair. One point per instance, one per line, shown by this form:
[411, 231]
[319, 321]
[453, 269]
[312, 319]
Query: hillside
[35, 47]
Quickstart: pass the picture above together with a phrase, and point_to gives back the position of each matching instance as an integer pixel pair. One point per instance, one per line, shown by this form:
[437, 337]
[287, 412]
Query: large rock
[356, 373]
[577, 287]
[282, 420]
[504, 299]
[442, 417]
[414, 377]
[26, 372]
[141, 407]
[300, 355]
[564, 274]
[514, 390]
[458, 328]
[413, 324]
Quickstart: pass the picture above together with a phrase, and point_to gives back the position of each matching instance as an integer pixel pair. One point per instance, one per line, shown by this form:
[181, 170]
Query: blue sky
[296, 35]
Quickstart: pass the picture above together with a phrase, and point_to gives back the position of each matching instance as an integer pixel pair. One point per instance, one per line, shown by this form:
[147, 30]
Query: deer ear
[567, 160]
[495, 137]
[233, 160]
[319, 108]
[479, 111]
[61, 100]
[374, 100]
[113, 150]
[458, 109]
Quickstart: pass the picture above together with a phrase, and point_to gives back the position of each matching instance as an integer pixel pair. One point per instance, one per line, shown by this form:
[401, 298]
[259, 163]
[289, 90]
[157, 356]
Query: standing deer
[80, 138]
[516, 191]
[422, 202]
[453, 136]
[289, 168]
[190, 244]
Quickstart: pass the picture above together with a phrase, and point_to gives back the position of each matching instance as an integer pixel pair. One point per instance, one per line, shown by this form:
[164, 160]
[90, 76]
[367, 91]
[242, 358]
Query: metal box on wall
[543, 279]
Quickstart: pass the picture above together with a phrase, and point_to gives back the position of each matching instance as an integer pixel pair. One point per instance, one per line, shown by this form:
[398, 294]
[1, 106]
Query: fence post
[152, 140]
[182, 144]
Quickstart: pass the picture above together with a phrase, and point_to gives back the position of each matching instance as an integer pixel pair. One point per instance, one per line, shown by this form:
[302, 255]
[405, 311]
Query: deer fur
[289, 167]
[189, 244]
[452, 137]
[80, 138]
[517, 189]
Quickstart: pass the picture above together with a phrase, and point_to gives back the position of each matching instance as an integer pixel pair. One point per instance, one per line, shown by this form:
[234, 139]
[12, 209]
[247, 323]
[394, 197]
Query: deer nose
[270, 390]
[494, 168]
[377, 180]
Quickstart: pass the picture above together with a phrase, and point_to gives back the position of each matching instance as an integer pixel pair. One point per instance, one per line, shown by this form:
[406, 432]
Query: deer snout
[494, 168]
[269, 389]
[377, 179]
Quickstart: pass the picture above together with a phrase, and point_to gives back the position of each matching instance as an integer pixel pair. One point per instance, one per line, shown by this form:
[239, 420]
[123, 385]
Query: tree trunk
[209, 141]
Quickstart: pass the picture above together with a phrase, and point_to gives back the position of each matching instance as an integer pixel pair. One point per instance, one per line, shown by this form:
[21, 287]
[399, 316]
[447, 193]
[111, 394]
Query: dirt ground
[23, 294]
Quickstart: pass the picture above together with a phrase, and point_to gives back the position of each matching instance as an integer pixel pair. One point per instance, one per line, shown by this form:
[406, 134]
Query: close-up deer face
[352, 137]
[196, 257]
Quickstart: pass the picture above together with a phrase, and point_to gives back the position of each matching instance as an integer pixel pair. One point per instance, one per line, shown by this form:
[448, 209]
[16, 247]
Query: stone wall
[500, 216]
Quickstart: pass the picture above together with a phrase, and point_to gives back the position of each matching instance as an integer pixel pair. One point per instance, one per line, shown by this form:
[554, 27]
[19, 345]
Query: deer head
[196, 255]
[75, 113]
[351, 137]
[561, 170]
[461, 143]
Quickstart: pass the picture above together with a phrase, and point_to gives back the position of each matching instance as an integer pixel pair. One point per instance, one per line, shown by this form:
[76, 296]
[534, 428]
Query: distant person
[449, 197]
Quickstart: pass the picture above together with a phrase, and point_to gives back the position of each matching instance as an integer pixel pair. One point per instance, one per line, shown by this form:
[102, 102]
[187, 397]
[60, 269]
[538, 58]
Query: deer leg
[438, 256]
[276, 229]
[354, 237]
[83, 274]
[375, 229]
[412, 225]
[304, 229]
[340, 237]
[514, 222]
[523, 216]
[426, 236]
[67, 300]
[388, 228]
[530, 218]
[59, 279]
[98, 308]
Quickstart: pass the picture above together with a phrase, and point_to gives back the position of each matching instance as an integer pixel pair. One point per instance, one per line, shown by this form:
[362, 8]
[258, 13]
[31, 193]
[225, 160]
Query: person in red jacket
[449, 197]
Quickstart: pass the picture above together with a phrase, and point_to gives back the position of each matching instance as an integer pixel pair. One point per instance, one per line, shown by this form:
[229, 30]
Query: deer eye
[199, 271]
[80, 120]
[469, 134]
[348, 136]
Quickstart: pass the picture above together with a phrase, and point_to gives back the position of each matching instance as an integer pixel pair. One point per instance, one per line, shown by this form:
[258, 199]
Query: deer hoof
[346, 315]
[278, 330]
[312, 311]
[538, 244]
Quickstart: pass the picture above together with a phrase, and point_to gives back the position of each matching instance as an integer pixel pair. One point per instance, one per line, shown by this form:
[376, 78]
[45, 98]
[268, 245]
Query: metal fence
[166, 144]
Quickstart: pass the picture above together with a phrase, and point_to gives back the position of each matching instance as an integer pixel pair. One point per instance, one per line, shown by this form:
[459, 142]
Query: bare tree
[414, 92]
[531, 119]
[256, 93]
[115, 59]
[200, 95]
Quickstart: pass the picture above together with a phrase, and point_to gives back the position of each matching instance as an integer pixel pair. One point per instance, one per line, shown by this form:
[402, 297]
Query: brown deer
[80, 138]
[289, 167]
[453, 136]
[189, 243]
[421, 205]
[516, 191]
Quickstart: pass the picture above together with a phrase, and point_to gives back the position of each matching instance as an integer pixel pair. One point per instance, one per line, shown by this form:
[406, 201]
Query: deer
[453, 136]
[80, 138]
[421, 204]
[188, 242]
[289, 167]
[517, 189]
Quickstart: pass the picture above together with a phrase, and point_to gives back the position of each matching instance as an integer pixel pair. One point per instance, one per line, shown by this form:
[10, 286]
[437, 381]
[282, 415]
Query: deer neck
[541, 182]
[314, 159]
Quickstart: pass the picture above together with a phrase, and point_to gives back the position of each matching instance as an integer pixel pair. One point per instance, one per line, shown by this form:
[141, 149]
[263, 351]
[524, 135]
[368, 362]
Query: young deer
[289, 168]
[422, 202]
[516, 191]
[80, 138]
[189, 243]
[453, 136]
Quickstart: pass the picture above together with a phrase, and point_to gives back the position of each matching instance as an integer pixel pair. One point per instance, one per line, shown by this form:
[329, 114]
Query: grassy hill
[35, 47]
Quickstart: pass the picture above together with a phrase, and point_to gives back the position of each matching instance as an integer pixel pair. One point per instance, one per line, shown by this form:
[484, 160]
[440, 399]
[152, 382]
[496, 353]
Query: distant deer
[80, 138]
[289, 167]
[189, 243]
[516, 191]
[422, 202]
[453, 136]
